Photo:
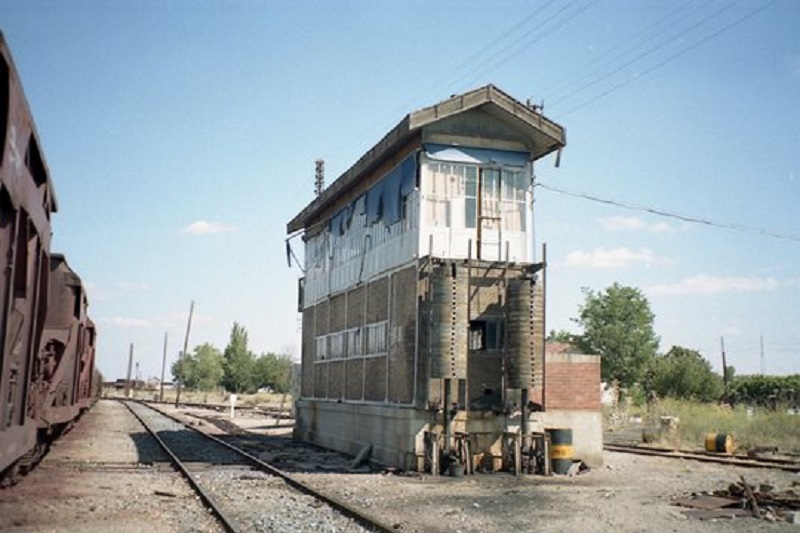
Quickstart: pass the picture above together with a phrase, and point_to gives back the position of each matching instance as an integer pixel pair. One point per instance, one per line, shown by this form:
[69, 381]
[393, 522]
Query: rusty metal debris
[742, 499]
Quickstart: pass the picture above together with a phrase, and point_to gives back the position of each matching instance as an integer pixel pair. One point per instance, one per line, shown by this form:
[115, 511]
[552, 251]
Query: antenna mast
[319, 176]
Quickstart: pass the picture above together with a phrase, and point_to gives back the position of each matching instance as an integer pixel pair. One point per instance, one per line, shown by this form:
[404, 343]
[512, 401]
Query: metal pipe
[544, 324]
[446, 410]
[469, 318]
[524, 415]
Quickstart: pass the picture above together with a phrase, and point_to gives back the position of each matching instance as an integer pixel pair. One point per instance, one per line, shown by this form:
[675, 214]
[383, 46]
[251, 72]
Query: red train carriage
[26, 202]
[61, 381]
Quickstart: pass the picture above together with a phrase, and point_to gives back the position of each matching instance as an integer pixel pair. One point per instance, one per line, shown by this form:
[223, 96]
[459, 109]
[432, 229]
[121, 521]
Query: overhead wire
[494, 61]
[508, 52]
[679, 53]
[625, 46]
[668, 214]
[661, 44]
[498, 58]
[392, 116]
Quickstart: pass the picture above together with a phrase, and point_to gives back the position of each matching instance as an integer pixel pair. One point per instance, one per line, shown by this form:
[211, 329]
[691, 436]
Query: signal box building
[422, 307]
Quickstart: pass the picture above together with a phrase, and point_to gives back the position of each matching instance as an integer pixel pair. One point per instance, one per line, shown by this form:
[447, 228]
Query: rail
[365, 520]
[707, 457]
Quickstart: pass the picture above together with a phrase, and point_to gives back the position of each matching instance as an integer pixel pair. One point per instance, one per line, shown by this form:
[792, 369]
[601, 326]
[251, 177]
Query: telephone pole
[163, 365]
[724, 367]
[183, 354]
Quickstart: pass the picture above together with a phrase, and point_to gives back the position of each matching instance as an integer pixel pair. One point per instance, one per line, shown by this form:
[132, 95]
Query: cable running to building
[667, 214]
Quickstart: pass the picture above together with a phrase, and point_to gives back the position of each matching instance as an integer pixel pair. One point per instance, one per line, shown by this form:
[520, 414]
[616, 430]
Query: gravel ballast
[106, 475]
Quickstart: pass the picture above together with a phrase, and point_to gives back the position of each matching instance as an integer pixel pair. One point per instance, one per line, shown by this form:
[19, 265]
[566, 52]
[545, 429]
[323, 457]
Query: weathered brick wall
[321, 320]
[308, 354]
[356, 308]
[485, 384]
[378, 300]
[486, 303]
[486, 292]
[375, 385]
[355, 379]
[338, 312]
[572, 382]
[402, 335]
[352, 377]
[320, 373]
[336, 378]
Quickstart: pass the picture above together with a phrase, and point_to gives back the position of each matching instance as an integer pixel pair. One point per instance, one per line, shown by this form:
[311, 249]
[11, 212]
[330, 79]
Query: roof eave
[530, 119]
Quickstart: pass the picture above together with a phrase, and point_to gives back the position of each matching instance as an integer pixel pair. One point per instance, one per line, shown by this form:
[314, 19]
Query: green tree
[180, 370]
[273, 370]
[239, 361]
[684, 373]
[201, 370]
[565, 336]
[618, 325]
[208, 371]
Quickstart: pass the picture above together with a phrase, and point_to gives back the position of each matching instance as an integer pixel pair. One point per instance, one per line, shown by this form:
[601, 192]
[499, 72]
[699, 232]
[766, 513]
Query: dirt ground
[629, 493]
[102, 477]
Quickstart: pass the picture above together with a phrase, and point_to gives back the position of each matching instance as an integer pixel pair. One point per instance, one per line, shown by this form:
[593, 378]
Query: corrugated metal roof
[546, 136]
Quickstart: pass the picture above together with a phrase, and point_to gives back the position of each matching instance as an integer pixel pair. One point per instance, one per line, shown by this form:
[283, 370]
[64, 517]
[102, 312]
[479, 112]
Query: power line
[661, 44]
[677, 216]
[456, 73]
[672, 57]
[625, 46]
[495, 60]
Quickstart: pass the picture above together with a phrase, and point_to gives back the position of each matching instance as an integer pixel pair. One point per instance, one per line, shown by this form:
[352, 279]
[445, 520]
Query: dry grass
[213, 397]
[750, 428]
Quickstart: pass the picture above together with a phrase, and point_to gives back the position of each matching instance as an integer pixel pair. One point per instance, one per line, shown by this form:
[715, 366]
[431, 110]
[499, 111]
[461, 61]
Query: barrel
[560, 449]
[719, 442]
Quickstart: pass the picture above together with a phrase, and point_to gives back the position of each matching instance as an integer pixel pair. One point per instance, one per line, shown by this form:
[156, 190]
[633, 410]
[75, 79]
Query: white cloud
[705, 284]
[633, 223]
[613, 258]
[124, 322]
[201, 227]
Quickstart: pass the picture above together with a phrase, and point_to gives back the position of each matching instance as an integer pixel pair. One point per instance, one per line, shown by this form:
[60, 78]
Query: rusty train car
[46, 337]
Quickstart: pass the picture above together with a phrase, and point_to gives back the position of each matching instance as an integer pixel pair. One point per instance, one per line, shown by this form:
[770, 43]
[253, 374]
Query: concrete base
[397, 433]
[587, 431]
[392, 431]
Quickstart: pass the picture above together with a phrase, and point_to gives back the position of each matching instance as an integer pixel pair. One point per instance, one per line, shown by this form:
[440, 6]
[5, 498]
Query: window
[490, 198]
[471, 198]
[515, 187]
[377, 338]
[322, 348]
[486, 335]
[355, 344]
[336, 345]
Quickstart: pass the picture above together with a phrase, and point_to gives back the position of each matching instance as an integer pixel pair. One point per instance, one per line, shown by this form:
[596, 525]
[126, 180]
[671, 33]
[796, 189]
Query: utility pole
[762, 354]
[128, 378]
[183, 353]
[163, 365]
[724, 368]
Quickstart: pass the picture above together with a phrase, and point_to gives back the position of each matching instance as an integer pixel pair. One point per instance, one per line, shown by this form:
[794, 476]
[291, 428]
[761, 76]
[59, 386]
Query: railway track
[243, 492]
[708, 457]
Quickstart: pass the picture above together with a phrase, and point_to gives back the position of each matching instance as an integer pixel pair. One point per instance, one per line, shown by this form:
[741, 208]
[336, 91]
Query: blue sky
[181, 138]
